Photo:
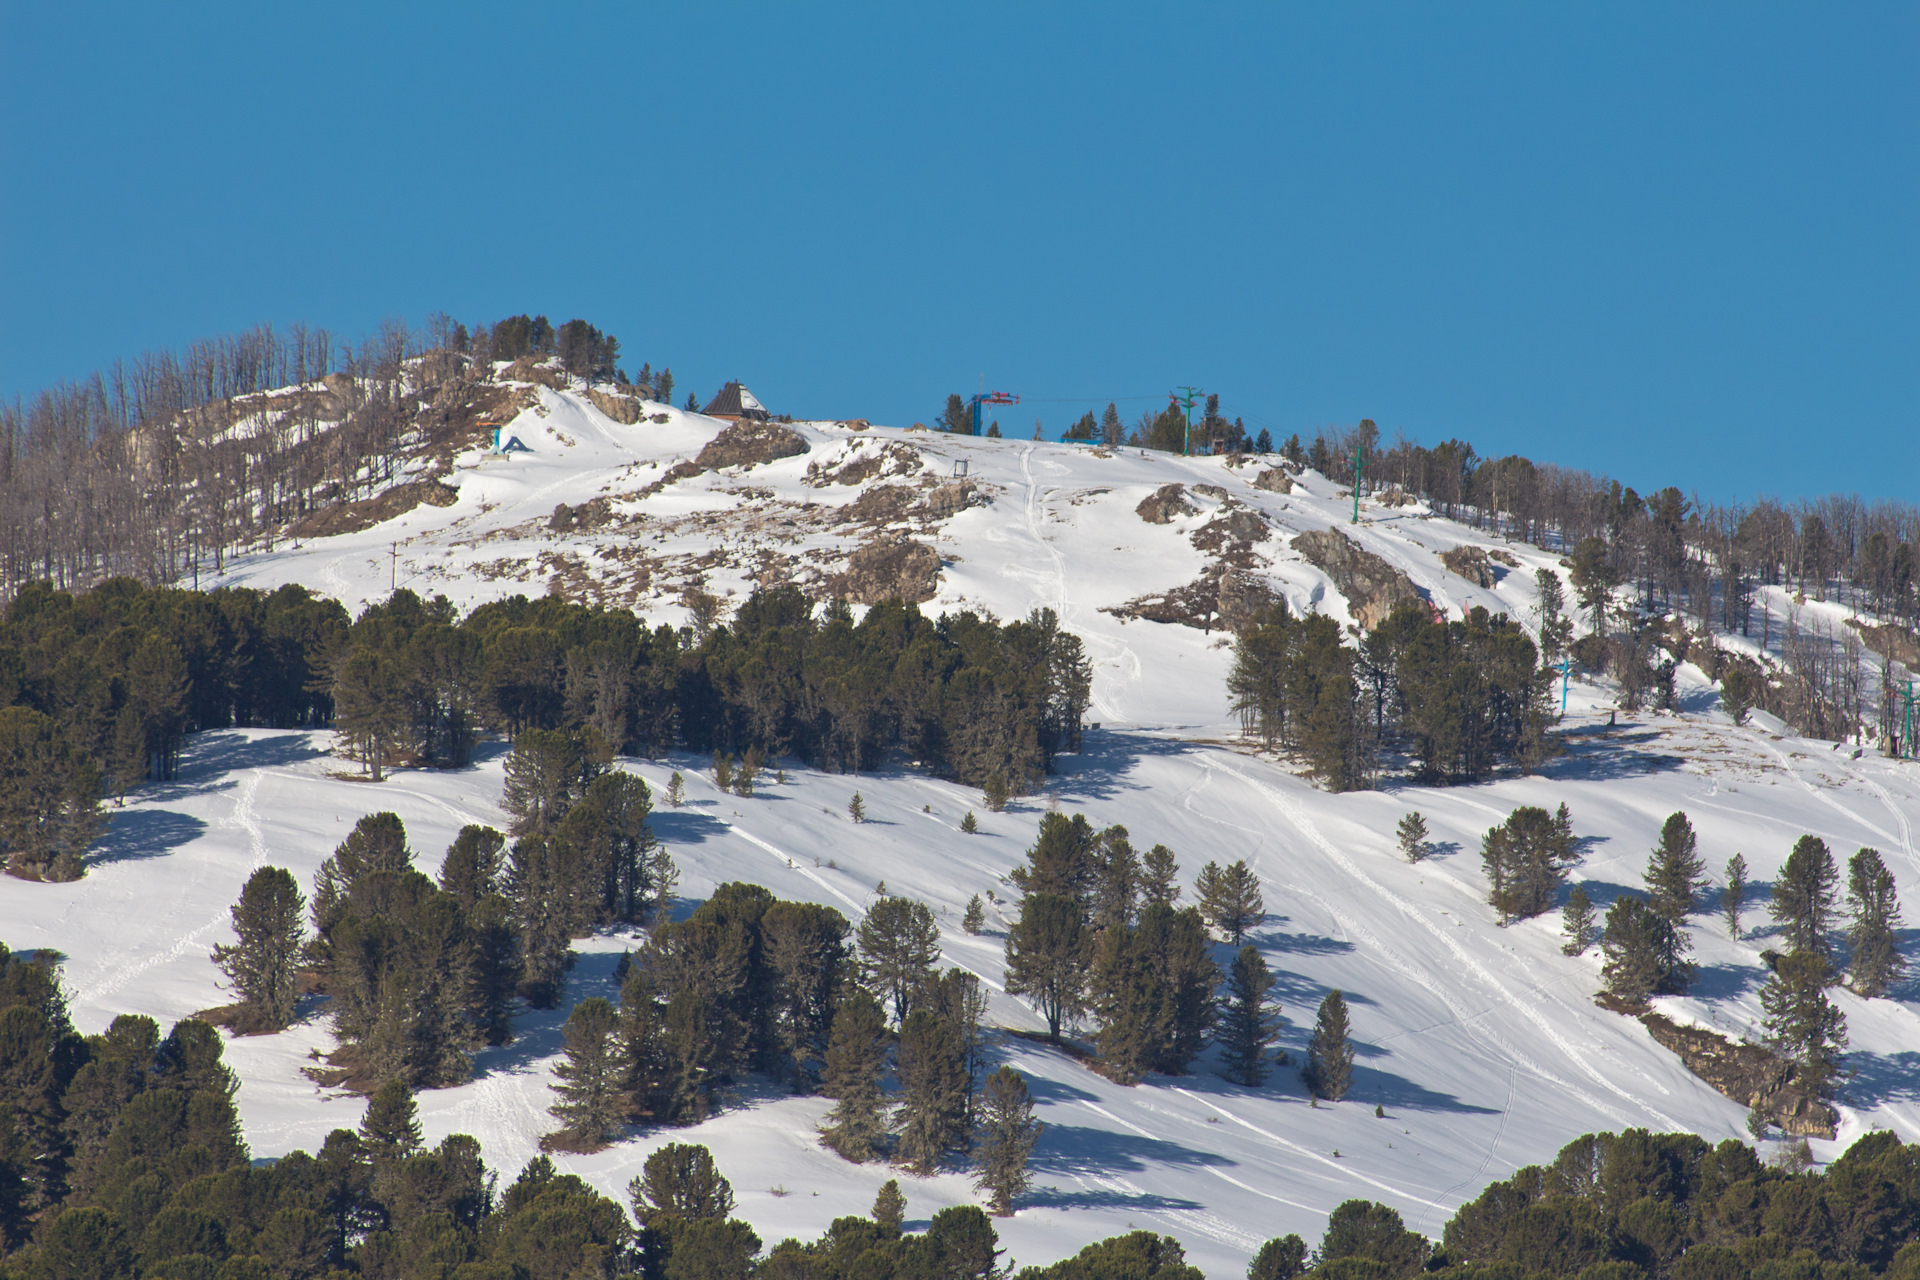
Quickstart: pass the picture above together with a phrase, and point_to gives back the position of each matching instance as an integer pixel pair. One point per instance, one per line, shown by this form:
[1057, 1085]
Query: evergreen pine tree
[1675, 872]
[975, 920]
[1803, 895]
[269, 922]
[492, 969]
[1413, 837]
[805, 946]
[1873, 937]
[1008, 1132]
[996, 793]
[855, 1063]
[589, 1080]
[970, 824]
[899, 943]
[676, 789]
[391, 1126]
[1116, 886]
[1230, 898]
[538, 889]
[1802, 1023]
[1631, 944]
[1576, 921]
[857, 808]
[1047, 953]
[890, 1208]
[472, 867]
[722, 770]
[930, 1063]
[680, 1184]
[1526, 860]
[1733, 897]
[1160, 877]
[1329, 1069]
[1284, 1258]
[546, 773]
[1247, 1022]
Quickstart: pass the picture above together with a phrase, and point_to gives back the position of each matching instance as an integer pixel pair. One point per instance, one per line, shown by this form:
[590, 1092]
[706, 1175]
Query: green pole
[1359, 469]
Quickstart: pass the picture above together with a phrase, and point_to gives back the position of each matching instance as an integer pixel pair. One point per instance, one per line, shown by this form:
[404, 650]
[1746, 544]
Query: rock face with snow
[1371, 585]
[352, 517]
[1470, 562]
[748, 442]
[1221, 599]
[1750, 1074]
[1273, 480]
[625, 410]
[1164, 503]
[902, 570]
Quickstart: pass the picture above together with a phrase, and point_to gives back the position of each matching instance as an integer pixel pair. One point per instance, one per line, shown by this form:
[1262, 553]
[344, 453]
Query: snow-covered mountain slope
[1482, 1045]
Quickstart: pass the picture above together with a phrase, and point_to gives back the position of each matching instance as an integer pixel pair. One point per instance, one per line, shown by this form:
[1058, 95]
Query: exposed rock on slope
[352, 517]
[1222, 598]
[625, 410]
[902, 570]
[1749, 1074]
[1273, 480]
[748, 442]
[1164, 503]
[1471, 563]
[1371, 585]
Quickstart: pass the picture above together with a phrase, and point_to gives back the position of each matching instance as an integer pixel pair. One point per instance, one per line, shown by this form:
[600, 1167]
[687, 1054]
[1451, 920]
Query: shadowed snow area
[1481, 1043]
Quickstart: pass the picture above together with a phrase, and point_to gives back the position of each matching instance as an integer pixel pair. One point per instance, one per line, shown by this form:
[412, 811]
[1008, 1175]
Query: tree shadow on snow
[1884, 1077]
[1066, 1149]
[1625, 753]
[1107, 756]
[1300, 944]
[539, 1033]
[138, 834]
[208, 758]
[1055, 1198]
[685, 826]
[1397, 1093]
[1724, 981]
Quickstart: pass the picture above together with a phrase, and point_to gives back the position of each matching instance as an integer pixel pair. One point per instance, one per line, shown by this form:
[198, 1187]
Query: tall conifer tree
[1329, 1069]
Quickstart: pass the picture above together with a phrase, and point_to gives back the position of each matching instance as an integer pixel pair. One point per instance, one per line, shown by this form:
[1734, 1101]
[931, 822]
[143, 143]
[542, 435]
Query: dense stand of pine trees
[1457, 698]
[1098, 936]
[98, 691]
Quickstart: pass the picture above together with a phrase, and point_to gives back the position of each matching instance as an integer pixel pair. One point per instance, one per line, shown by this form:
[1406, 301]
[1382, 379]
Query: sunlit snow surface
[1482, 1044]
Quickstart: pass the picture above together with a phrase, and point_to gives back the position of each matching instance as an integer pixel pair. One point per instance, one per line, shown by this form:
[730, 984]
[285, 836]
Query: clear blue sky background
[1680, 244]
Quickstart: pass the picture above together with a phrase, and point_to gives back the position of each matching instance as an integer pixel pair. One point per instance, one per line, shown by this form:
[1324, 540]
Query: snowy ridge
[1482, 1044]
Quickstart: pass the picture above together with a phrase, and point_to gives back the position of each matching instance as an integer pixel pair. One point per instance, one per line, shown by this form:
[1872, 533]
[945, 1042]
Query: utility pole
[1185, 396]
[393, 567]
[1566, 673]
[1359, 469]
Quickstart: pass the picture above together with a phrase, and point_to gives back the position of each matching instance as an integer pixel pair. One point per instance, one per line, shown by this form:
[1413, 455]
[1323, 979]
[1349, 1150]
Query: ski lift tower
[1184, 397]
[990, 397]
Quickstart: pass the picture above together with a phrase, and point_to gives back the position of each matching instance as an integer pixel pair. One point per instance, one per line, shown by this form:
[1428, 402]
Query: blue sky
[1679, 244]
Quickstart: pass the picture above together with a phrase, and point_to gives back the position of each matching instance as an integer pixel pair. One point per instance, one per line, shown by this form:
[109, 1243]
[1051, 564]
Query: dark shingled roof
[735, 401]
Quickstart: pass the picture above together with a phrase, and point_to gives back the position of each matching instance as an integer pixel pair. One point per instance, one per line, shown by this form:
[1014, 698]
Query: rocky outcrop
[1230, 525]
[864, 463]
[1895, 642]
[352, 517]
[1751, 1075]
[626, 410]
[528, 369]
[1471, 563]
[1273, 480]
[747, 442]
[900, 570]
[588, 515]
[1221, 599]
[949, 499]
[1372, 587]
[878, 505]
[1164, 503]
[1396, 498]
